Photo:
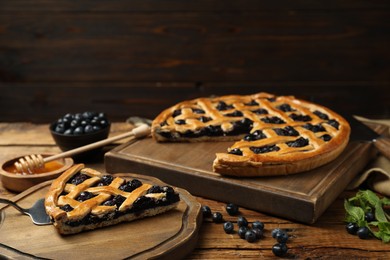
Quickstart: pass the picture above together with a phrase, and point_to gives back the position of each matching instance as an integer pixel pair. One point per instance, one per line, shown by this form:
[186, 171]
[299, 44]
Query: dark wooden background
[138, 57]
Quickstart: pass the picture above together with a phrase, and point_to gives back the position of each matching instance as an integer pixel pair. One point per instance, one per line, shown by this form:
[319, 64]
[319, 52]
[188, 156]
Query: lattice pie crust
[275, 135]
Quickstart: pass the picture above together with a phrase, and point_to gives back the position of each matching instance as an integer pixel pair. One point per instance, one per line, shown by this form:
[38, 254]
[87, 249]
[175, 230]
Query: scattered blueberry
[352, 228]
[369, 216]
[281, 237]
[241, 221]
[242, 231]
[363, 232]
[250, 236]
[279, 249]
[232, 209]
[275, 231]
[258, 224]
[217, 217]
[259, 233]
[206, 211]
[228, 227]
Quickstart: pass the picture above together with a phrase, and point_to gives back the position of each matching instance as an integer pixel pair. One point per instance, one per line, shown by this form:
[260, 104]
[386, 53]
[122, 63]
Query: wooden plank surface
[302, 197]
[326, 238]
[172, 233]
[143, 56]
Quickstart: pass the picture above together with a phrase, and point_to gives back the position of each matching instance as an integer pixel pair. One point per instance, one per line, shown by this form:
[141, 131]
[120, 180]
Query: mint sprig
[367, 201]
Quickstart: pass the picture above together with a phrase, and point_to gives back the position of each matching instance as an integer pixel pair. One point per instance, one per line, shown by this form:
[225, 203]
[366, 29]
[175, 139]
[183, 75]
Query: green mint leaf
[354, 214]
[384, 231]
[380, 213]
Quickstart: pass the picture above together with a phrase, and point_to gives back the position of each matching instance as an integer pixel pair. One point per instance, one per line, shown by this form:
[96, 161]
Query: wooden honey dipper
[28, 163]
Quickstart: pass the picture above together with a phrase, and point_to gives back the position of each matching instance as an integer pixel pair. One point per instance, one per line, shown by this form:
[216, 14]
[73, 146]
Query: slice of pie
[85, 199]
[275, 135]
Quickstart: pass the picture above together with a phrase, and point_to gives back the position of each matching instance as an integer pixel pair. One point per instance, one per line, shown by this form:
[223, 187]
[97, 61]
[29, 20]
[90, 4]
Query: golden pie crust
[296, 135]
[63, 193]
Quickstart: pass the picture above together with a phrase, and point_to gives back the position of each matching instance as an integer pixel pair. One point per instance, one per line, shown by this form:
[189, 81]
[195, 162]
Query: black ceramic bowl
[68, 140]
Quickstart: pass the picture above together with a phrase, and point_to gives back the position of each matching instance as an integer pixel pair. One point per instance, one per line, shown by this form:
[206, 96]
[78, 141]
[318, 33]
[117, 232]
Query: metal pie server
[363, 133]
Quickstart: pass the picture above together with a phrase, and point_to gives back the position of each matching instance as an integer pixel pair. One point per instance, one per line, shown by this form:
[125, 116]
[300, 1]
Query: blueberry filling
[300, 142]
[285, 108]
[85, 195]
[314, 128]
[287, 131]
[326, 137]
[235, 114]
[300, 118]
[334, 123]
[176, 113]
[106, 180]
[235, 151]
[221, 106]
[252, 103]
[78, 178]
[256, 135]
[321, 115]
[129, 186]
[204, 119]
[140, 204]
[273, 120]
[180, 122]
[264, 149]
[260, 111]
[66, 208]
[198, 111]
[212, 130]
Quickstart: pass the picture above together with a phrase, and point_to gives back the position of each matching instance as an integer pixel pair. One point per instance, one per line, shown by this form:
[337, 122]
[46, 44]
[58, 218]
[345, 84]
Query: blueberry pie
[275, 135]
[85, 199]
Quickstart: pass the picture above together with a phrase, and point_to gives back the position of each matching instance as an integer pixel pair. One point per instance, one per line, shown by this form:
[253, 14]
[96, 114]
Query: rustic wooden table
[327, 238]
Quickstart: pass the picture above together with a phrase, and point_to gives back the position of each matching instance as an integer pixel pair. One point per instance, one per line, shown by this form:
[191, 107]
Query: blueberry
[206, 211]
[66, 208]
[228, 227]
[88, 129]
[352, 228]
[259, 232]
[258, 224]
[85, 195]
[250, 236]
[107, 179]
[60, 128]
[264, 149]
[78, 130]
[275, 231]
[363, 232]
[242, 231]
[232, 209]
[235, 151]
[369, 216]
[242, 222]
[279, 249]
[217, 217]
[281, 237]
[68, 131]
[285, 108]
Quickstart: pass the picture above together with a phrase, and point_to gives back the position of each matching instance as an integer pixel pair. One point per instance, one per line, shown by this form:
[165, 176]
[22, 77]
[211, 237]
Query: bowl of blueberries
[74, 130]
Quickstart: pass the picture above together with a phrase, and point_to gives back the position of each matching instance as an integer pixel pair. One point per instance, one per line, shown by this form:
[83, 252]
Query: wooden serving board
[172, 233]
[302, 197]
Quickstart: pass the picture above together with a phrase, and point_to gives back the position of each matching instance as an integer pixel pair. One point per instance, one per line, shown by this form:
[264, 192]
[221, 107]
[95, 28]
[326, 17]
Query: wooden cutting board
[302, 197]
[172, 233]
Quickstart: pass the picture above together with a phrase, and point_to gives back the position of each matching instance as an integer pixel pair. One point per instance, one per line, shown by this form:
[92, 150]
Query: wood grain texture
[326, 239]
[143, 56]
[302, 197]
[174, 232]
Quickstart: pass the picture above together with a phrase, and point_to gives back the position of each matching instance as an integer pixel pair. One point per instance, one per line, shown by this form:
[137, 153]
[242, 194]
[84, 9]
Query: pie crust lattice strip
[275, 135]
[84, 199]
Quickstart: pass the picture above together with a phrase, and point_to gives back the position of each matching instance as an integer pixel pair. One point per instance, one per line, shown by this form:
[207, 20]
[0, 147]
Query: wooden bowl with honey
[18, 182]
